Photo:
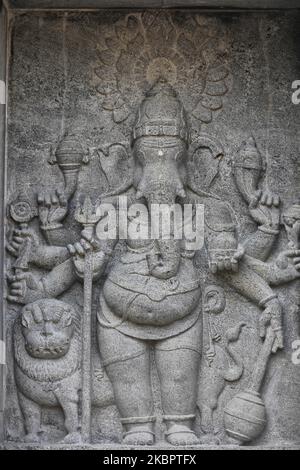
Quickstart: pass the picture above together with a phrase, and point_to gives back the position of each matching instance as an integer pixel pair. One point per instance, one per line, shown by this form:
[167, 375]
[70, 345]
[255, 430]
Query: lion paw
[72, 438]
[32, 438]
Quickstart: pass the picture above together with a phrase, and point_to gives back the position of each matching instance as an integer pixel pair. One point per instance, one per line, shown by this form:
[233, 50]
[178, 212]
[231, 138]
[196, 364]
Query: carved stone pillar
[3, 47]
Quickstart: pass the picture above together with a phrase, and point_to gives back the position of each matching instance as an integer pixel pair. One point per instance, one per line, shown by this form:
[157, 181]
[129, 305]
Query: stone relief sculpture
[47, 347]
[152, 301]
[152, 296]
[195, 53]
[221, 364]
[48, 366]
[291, 222]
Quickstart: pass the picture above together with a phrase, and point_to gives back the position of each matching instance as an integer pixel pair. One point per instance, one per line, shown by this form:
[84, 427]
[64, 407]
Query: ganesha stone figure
[151, 298]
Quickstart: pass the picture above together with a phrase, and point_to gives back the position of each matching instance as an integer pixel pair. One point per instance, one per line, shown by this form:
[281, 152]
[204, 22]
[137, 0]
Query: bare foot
[32, 438]
[233, 442]
[180, 435]
[210, 440]
[138, 437]
[72, 438]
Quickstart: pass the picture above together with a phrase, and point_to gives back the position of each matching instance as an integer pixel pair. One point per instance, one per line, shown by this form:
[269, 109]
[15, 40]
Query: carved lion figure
[47, 364]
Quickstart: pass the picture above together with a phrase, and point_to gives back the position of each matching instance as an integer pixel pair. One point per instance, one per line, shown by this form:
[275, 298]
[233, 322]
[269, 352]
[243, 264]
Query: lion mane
[52, 369]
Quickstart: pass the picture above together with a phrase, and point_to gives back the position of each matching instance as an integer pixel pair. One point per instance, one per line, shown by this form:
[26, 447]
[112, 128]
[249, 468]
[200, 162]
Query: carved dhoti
[116, 347]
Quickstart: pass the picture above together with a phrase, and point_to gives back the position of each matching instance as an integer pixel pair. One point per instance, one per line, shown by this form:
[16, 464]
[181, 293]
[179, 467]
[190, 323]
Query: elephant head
[160, 147]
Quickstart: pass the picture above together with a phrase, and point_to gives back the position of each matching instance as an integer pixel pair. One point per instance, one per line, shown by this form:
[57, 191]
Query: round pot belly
[139, 308]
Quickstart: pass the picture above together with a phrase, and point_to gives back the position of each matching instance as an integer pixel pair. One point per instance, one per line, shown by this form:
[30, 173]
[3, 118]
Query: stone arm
[264, 210]
[72, 269]
[48, 257]
[25, 244]
[286, 269]
[260, 244]
[250, 284]
[253, 287]
[222, 247]
[102, 252]
[26, 287]
[227, 261]
[66, 263]
[102, 248]
[58, 236]
[59, 280]
[53, 209]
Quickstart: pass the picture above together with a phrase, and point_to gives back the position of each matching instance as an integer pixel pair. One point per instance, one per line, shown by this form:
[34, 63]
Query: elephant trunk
[164, 259]
[161, 195]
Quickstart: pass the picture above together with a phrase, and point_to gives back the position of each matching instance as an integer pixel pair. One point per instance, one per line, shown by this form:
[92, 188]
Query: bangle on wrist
[51, 227]
[263, 302]
[268, 230]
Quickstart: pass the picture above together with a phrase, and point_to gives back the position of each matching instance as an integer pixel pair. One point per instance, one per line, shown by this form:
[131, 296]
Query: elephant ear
[116, 164]
[205, 154]
[214, 299]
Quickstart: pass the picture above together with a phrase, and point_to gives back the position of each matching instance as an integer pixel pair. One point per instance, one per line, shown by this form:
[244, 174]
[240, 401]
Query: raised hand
[52, 208]
[287, 267]
[86, 245]
[289, 258]
[292, 227]
[265, 209]
[225, 260]
[20, 237]
[23, 288]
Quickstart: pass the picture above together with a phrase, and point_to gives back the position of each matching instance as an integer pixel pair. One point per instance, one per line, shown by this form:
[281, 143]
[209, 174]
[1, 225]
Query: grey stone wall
[87, 73]
[3, 47]
[77, 4]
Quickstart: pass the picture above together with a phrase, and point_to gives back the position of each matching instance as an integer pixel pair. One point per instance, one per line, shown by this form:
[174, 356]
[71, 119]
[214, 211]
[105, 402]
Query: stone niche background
[87, 72]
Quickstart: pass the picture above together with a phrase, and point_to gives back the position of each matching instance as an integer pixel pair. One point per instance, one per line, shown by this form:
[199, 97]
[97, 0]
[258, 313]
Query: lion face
[47, 327]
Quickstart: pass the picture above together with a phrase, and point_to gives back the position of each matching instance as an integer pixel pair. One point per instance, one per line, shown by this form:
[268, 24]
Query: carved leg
[178, 372]
[211, 388]
[70, 409]
[207, 425]
[133, 394]
[127, 363]
[207, 419]
[32, 417]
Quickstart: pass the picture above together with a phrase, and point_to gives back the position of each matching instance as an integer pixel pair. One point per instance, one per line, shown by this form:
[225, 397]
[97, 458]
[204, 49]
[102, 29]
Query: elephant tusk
[139, 194]
[181, 193]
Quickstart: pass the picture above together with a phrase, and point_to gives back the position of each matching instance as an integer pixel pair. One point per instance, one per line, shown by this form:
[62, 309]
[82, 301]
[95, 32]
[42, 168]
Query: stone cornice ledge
[205, 4]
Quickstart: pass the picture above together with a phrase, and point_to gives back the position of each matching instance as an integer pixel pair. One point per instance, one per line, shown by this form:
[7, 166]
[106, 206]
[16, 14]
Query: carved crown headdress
[161, 113]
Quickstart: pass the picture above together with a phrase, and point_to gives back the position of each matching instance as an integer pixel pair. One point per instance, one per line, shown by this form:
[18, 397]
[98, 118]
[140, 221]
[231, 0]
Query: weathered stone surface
[77, 4]
[2, 208]
[248, 4]
[170, 345]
